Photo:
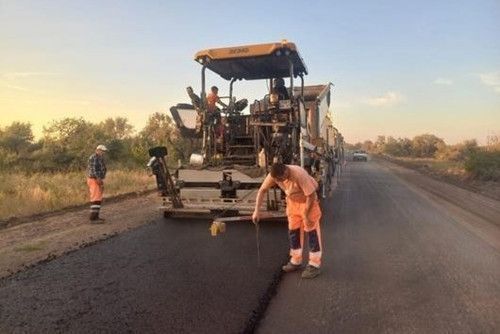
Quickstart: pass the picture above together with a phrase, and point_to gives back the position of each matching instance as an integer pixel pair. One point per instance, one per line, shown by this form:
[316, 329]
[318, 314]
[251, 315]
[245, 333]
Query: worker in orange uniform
[96, 173]
[213, 113]
[303, 214]
[213, 99]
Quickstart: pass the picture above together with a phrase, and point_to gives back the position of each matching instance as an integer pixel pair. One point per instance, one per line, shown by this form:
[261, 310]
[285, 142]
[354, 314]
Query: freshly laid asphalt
[394, 262]
[165, 277]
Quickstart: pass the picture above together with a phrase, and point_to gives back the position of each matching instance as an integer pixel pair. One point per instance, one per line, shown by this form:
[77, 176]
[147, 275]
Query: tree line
[66, 144]
[481, 162]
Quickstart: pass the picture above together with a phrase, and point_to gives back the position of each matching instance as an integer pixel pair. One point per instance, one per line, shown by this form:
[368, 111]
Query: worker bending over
[303, 214]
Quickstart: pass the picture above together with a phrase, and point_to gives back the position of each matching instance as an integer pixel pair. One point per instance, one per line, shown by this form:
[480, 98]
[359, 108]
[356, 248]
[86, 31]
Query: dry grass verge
[449, 171]
[24, 195]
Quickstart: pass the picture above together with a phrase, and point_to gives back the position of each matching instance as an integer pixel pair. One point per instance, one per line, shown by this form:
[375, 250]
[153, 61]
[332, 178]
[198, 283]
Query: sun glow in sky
[400, 68]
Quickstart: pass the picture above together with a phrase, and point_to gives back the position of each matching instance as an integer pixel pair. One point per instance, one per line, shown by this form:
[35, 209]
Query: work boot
[98, 221]
[310, 272]
[95, 219]
[290, 267]
[94, 216]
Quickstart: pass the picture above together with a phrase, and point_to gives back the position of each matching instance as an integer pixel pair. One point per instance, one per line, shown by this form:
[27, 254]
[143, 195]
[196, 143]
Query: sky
[400, 68]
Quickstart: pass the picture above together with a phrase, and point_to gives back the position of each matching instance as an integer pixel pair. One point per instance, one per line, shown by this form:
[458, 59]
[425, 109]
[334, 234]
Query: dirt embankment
[460, 179]
[50, 236]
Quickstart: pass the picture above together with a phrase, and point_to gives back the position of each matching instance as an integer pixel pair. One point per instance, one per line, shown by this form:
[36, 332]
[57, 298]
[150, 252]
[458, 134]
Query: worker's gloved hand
[256, 217]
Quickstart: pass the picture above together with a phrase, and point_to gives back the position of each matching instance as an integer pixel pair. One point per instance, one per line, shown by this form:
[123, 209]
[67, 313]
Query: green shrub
[484, 165]
[457, 152]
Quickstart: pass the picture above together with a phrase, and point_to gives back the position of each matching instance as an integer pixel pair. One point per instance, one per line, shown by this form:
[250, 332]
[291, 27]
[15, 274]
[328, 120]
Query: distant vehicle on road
[359, 155]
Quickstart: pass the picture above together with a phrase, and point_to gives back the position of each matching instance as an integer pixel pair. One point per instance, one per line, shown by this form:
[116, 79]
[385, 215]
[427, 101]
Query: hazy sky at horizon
[400, 68]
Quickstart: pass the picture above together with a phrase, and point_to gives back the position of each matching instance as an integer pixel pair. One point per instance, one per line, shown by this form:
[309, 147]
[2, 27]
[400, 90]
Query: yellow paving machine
[292, 124]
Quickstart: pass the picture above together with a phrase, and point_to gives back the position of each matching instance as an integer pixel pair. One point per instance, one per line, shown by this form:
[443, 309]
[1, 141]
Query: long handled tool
[257, 240]
[219, 225]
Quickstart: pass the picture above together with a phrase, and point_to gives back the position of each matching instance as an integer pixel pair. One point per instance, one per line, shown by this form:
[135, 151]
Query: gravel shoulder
[477, 213]
[489, 189]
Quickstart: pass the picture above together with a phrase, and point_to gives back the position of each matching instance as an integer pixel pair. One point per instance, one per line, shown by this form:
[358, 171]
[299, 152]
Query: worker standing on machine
[213, 99]
[303, 214]
[280, 89]
[213, 112]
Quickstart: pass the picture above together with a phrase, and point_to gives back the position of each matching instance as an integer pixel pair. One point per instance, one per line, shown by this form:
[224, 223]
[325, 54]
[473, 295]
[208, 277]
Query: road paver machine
[292, 125]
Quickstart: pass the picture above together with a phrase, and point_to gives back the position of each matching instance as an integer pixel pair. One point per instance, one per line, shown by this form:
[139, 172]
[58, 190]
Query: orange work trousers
[296, 229]
[96, 191]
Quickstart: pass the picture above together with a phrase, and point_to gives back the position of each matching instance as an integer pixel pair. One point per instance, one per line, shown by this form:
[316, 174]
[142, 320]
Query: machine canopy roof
[250, 62]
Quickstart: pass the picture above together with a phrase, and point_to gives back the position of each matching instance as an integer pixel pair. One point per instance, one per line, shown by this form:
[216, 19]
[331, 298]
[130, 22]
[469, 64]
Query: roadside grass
[24, 195]
[484, 164]
[442, 167]
[475, 177]
[30, 247]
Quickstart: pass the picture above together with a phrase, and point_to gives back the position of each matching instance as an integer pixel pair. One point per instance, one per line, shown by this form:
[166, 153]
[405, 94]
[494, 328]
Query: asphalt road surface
[165, 277]
[394, 261]
[397, 260]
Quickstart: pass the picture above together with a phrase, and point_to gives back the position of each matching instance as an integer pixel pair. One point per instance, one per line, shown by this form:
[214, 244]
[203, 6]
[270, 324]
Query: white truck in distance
[359, 155]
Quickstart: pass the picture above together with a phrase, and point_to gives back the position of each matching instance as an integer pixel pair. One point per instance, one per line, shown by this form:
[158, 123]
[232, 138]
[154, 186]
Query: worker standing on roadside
[96, 173]
[303, 214]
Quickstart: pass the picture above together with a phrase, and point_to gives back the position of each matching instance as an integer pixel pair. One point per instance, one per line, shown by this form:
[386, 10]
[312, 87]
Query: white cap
[102, 148]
